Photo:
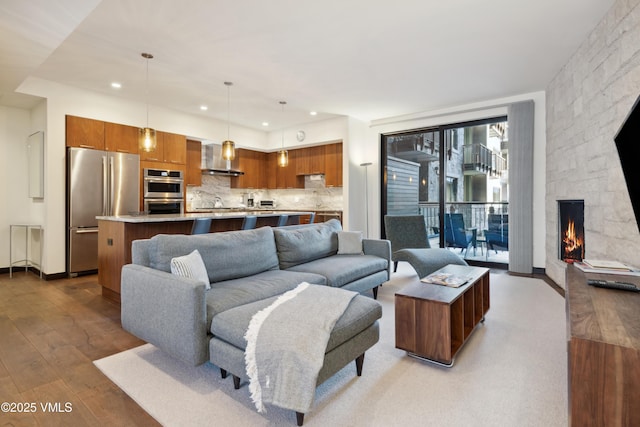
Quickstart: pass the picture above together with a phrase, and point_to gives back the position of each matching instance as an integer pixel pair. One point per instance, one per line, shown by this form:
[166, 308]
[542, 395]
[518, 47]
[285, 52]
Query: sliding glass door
[456, 177]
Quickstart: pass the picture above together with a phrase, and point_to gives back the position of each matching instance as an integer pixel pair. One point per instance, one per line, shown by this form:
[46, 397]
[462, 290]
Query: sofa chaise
[247, 271]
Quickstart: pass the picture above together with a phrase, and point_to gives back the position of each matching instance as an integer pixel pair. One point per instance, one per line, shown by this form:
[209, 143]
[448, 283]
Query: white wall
[322, 132]
[475, 111]
[16, 125]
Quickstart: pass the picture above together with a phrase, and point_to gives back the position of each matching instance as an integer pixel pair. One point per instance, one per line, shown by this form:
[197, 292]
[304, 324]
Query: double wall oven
[163, 191]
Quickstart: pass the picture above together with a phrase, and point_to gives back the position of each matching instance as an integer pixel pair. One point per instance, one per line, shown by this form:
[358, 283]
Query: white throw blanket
[286, 343]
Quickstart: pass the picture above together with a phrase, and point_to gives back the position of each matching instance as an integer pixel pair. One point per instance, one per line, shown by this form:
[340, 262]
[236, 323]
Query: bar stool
[293, 220]
[282, 220]
[312, 217]
[249, 222]
[201, 226]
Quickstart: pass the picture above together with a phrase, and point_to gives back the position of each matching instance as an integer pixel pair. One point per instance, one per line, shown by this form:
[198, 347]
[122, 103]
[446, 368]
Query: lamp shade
[283, 158]
[147, 139]
[228, 150]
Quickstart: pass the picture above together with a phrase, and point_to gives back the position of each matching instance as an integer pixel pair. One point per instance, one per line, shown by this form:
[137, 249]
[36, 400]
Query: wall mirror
[35, 159]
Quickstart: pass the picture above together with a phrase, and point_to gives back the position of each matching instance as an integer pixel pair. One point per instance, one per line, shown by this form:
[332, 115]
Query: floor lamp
[366, 194]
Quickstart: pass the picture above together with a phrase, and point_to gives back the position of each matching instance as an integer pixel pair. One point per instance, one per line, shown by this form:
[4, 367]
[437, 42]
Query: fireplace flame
[572, 242]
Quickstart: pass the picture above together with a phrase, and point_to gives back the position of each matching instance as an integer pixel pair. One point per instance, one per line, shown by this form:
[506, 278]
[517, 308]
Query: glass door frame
[441, 129]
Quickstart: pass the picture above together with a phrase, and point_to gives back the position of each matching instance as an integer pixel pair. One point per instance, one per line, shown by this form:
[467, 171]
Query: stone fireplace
[571, 244]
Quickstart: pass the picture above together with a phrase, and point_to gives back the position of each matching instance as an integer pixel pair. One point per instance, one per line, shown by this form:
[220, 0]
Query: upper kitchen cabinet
[175, 148]
[254, 165]
[194, 163]
[333, 165]
[310, 160]
[121, 138]
[285, 177]
[170, 148]
[84, 133]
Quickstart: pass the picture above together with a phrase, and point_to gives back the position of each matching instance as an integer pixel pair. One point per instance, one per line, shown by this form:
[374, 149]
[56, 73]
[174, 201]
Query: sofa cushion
[231, 325]
[349, 242]
[342, 269]
[190, 266]
[302, 244]
[232, 293]
[227, 255]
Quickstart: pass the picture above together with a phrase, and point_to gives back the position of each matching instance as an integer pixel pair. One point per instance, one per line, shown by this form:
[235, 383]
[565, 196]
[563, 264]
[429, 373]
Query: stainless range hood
[214, 164]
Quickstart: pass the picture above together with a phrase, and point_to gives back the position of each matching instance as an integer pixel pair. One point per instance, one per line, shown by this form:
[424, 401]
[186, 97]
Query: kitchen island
[115, 234]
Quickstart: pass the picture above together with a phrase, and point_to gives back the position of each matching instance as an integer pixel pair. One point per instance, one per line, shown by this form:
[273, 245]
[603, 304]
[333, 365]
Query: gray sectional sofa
[247, 271]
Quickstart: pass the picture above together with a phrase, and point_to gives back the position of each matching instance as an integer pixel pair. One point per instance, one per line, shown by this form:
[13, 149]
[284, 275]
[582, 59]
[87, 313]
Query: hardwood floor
[50, 333]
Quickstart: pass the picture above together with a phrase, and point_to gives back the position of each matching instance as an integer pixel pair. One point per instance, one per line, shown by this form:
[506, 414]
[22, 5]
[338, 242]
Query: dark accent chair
[497, 232]
[455, 234]
[201, 226]
[249, 222]
[409, 242]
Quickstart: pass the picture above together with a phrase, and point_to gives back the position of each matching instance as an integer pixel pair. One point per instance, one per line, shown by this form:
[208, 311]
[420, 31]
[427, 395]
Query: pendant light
[147, 136]
[283, 155]
[228, 146]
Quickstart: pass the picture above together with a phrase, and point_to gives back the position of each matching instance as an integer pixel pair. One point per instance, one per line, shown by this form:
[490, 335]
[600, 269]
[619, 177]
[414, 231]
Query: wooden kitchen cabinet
[271, 170]
[194, 163]
[175, 148]
[286, 177]
[282, 177]
[170, 148]
[84, 133]
[254, 165]
[310, 160]
[333, 165]
[156, 155]
[121, 138]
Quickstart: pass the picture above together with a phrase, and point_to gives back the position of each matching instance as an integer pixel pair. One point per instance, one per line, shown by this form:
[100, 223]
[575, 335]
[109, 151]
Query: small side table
[28, 230]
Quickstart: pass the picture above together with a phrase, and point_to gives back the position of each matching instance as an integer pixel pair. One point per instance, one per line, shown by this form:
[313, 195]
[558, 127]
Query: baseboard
[34, 270]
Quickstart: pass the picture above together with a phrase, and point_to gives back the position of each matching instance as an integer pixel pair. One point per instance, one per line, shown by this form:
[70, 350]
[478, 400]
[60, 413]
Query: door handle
[88, 231]
[105, 187]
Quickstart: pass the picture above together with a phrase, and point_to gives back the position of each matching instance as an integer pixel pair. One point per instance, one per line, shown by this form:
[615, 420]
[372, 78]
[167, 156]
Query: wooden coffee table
[433, 321]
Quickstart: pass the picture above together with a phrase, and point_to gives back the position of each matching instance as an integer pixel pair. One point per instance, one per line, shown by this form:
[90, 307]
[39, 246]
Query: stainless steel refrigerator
[98, 183]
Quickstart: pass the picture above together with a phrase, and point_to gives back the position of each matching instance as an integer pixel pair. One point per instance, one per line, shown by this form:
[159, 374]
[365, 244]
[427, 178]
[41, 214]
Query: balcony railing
[475, 214]
[480, 159]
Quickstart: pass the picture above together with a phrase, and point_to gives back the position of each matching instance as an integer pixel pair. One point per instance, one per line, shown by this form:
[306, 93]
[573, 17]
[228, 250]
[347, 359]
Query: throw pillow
[349, 242]
[191, 266]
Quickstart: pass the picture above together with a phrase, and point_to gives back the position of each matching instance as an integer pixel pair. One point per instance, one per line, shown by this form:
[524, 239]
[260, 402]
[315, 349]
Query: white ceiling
[369, 59]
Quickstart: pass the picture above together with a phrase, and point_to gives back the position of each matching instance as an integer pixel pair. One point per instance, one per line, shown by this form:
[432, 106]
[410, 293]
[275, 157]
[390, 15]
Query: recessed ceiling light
[265, 123]
[313, 113]
[116, 85]
[204, 107]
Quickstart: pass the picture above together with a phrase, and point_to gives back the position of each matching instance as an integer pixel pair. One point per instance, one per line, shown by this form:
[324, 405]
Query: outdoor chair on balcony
[455, 234]
[497, 234]
[408, 237]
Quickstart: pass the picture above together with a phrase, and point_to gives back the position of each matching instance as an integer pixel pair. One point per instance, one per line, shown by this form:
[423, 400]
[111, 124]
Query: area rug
[512, 371]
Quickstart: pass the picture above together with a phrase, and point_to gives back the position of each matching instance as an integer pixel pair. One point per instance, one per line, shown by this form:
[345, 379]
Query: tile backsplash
[213, 186]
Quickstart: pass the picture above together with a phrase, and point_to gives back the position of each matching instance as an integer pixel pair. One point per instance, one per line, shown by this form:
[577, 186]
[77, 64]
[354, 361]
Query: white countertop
[191, 216]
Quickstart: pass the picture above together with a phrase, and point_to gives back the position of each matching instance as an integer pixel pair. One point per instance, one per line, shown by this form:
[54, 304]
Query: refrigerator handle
[112, 183]
[105, 189]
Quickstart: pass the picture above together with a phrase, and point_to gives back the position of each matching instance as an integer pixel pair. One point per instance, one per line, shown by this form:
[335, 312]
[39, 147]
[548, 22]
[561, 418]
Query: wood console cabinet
[603, 327]
[433, 321]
